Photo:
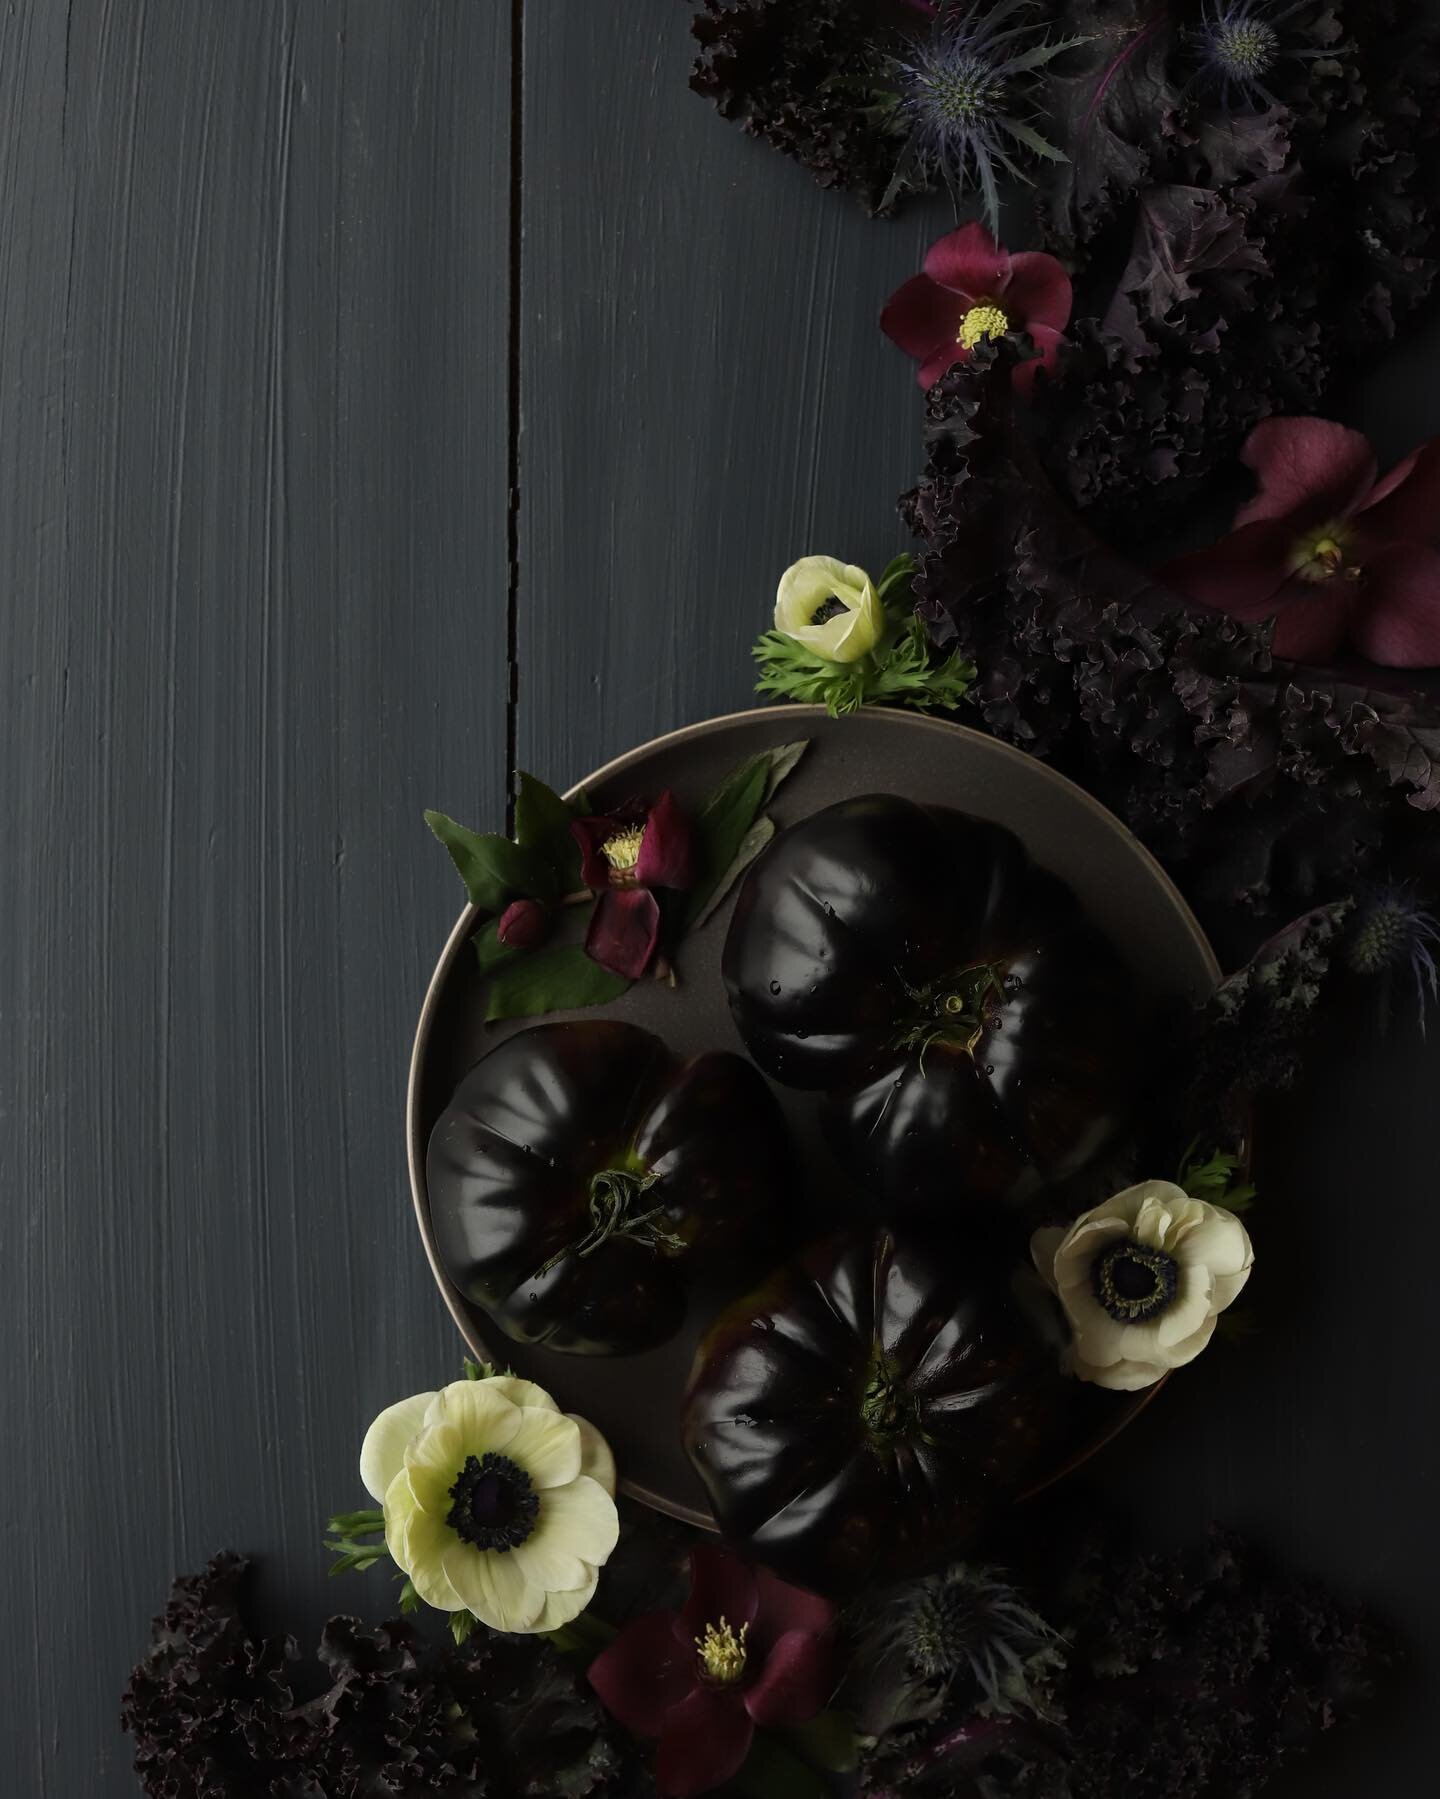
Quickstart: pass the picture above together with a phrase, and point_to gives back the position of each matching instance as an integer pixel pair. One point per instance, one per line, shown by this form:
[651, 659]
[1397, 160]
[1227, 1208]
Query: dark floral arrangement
[1233, 201]
[1088, 1669]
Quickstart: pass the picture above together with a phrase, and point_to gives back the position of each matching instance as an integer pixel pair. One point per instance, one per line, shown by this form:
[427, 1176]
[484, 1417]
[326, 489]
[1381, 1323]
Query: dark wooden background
[394, 394]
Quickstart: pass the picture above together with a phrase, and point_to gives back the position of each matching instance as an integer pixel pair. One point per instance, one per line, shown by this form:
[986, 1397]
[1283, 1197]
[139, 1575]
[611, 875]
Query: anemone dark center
[494, 1505]
[828, 609]
[1134, 1282]
[1247, 47]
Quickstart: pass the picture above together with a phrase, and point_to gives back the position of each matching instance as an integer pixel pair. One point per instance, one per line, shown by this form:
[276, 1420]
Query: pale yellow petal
[1176, 1355]
[1119, 1377]
[382, 1454]
[560, 1608]
[427, 1542]
[549, 1563]
[546, 1446]
[521, 1392]
[494, 1586]
[399, 1504]
[596, 1458]
[1153, 1221]
[1188, 1310]
[1044, 1246]
[485, 1418]
[1217, 1239]
[580, 1519]
[433, 1460]
[1227, 1289]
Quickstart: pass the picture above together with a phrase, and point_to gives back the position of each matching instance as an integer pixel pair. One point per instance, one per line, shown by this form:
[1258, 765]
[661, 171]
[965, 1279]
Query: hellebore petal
[721, 1586]
[794, 1683]
[667, 847]
[704, 1742]
[645, 1672]
[783, 1609]
[1047, 342]
[1309, 470]
[1398, 622]
[970, 262]
[1038, 293]
[938, 366]
[1240, 574]
[624, 929]
[592, 834]
[1405, 505]
[923, 319]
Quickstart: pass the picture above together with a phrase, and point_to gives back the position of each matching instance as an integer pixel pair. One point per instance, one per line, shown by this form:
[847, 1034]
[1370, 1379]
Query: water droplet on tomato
[774, 986]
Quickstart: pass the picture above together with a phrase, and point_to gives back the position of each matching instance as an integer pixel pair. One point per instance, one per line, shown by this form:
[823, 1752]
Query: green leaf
[827, 1740]
[772, 1771]
[462, 1624]
[727, 817]
[751, 844]
[489, 950]
[409, 1600]
[493, 868]
[542, 826]
[903, 672]
[1212, 1178]
[903, 569]
[557, 978]
[353, 1524]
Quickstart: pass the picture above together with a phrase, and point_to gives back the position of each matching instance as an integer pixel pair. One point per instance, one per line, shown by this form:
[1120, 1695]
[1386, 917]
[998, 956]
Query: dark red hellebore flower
[747, 1650]
[625, 858]
[1335, 554]
[973, 288]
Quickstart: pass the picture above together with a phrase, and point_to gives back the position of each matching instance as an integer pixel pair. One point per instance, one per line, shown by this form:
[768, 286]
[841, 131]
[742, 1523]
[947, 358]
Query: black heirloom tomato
[975, 1034]
[582, 1176]
[864, 1412]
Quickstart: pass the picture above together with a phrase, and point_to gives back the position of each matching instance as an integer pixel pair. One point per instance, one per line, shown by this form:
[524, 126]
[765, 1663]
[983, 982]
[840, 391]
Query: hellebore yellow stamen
[722, 1653]
[984, 320]
[1324, 555]
[622, 851]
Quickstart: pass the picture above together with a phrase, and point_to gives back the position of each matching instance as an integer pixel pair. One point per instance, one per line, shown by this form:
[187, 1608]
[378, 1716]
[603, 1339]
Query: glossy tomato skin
[850, 939]
[861, 1415]
[695, 1153]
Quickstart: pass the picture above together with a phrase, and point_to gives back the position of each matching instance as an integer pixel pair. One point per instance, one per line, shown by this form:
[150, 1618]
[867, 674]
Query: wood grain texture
[256, 357]
[252, 620]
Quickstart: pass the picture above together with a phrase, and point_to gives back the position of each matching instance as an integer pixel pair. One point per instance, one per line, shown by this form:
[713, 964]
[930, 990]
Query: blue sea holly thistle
[1240, 42]
[962, 102]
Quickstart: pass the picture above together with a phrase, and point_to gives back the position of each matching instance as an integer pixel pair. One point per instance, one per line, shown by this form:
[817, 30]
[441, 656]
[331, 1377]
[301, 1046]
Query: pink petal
[1310, 470]
[721, 1586]
[1038, 292]
[590, 833]
[969, 262]
[920, 315]
[624, 929]
[1240, 574]
[941, 363]
[667, 848]
[705, 1740]
[644, 1674]
[796, 1681]
[1397, 622]
[1406, 504]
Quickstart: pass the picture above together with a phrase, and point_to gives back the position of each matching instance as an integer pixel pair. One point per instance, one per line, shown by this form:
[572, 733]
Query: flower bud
[830, 607]
[524, 924]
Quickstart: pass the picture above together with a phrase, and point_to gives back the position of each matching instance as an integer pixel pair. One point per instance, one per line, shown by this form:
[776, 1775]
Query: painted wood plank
[252, 620]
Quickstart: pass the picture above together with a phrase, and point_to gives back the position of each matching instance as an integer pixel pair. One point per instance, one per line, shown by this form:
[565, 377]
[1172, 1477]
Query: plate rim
[415, 1151]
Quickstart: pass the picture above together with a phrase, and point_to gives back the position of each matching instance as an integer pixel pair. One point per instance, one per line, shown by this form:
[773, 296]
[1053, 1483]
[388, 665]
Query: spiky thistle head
[1391, 933]
[962, 100]
[969, 1624]
[1239, 43]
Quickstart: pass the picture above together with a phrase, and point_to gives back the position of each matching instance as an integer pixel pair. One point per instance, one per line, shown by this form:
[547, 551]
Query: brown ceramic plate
[635, 1400]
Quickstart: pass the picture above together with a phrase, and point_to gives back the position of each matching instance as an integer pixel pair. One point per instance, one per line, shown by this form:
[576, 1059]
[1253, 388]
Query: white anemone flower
[830, 607]
[495, 1501]
[1143, 1279]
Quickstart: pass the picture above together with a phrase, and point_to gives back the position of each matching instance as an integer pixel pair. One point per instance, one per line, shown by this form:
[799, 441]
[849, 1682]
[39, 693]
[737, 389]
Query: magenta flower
[973, 288]
[1336, 556]
[625, 858]
[747, 1650]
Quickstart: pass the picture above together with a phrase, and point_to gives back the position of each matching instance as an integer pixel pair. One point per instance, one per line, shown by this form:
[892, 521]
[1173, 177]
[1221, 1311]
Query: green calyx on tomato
[583, 1179]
